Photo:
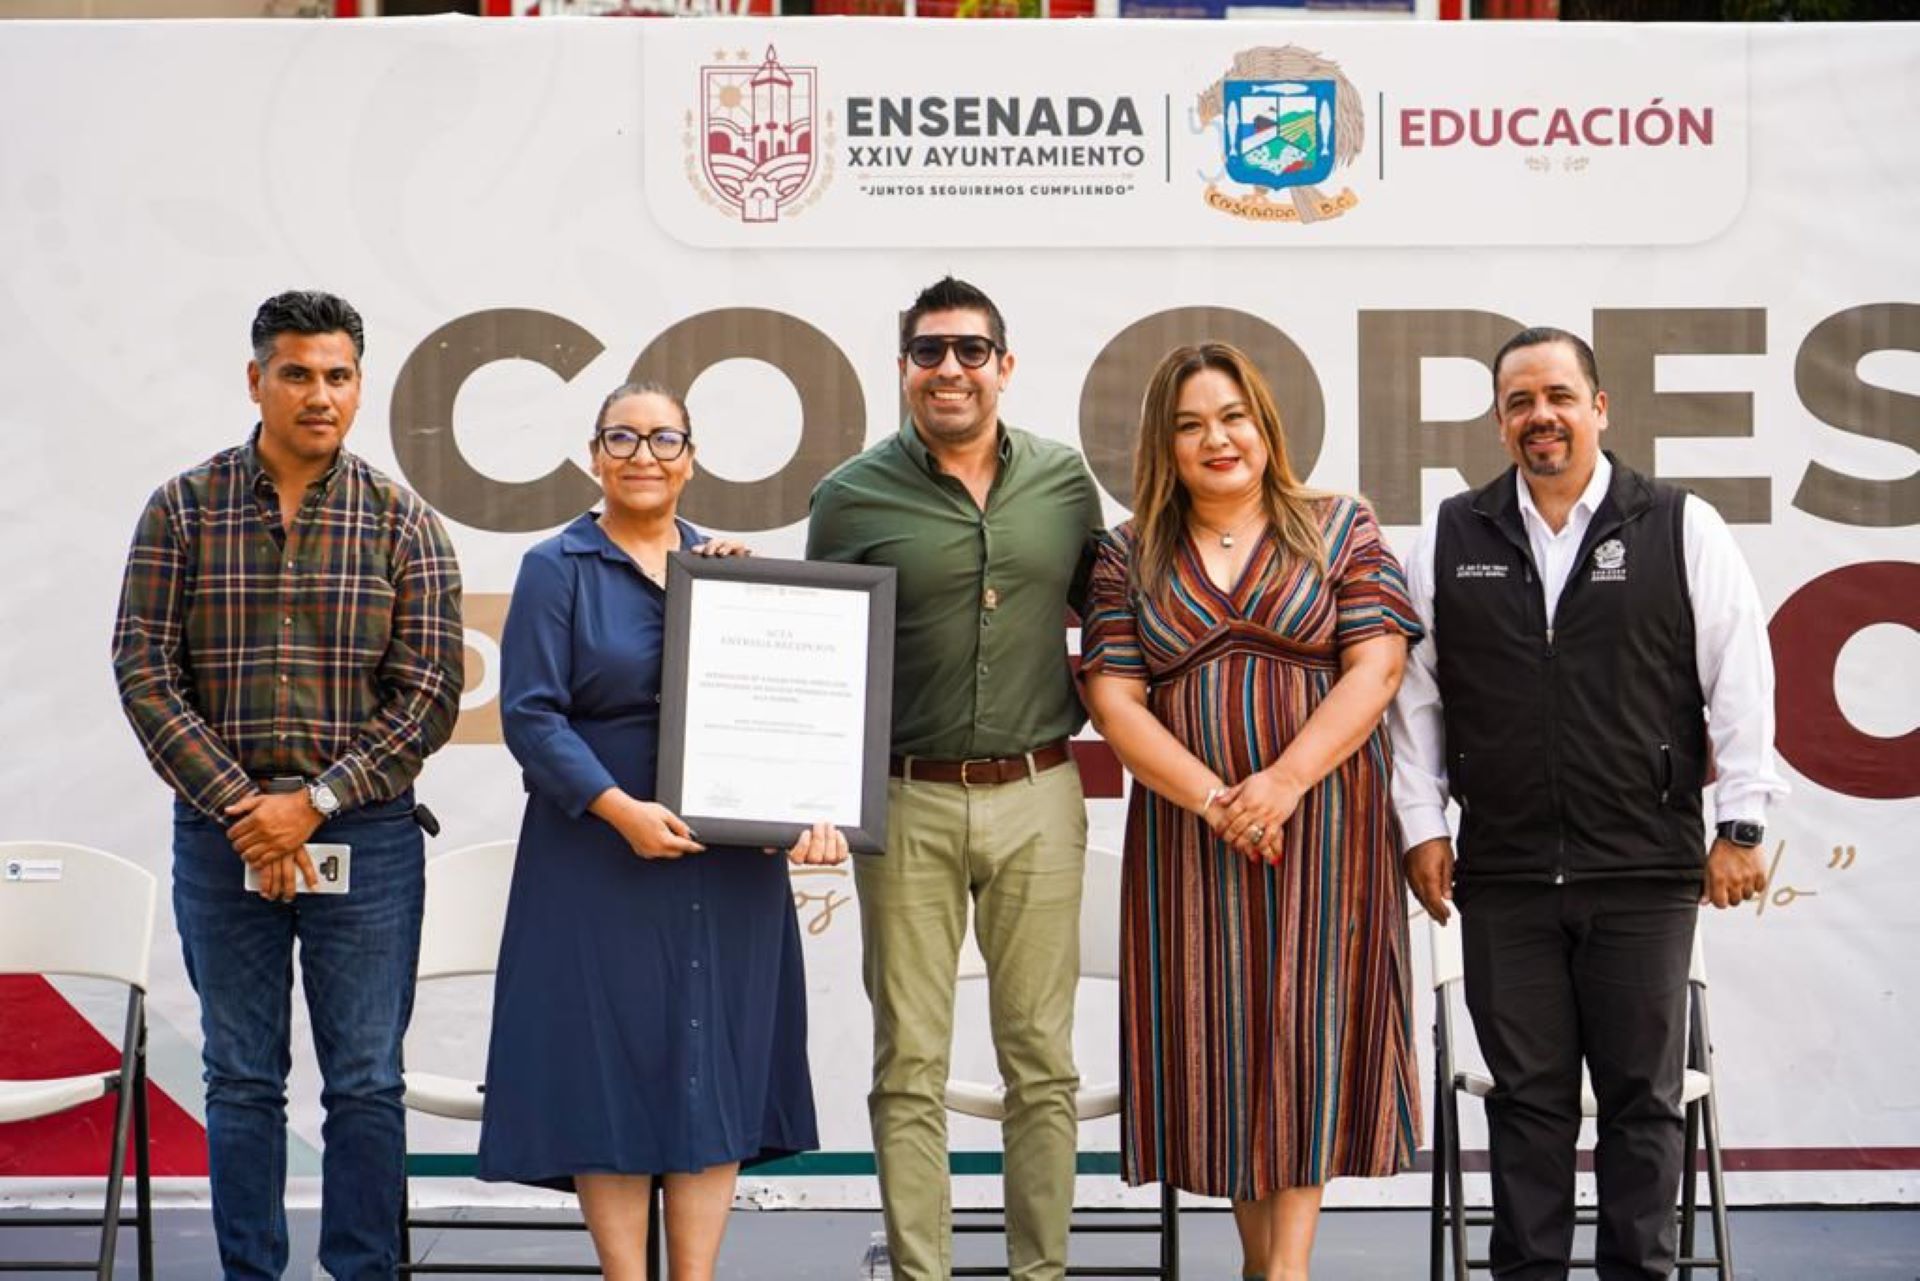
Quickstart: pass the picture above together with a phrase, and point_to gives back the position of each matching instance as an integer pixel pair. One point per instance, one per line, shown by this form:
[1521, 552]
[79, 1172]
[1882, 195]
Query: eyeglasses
[929, 351]
[664, 443]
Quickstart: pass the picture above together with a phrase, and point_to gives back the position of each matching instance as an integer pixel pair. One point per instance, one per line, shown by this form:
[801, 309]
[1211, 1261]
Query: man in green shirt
[989, 528]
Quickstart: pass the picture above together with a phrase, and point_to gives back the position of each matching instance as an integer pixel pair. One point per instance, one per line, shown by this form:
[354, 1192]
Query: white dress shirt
[1730, 651]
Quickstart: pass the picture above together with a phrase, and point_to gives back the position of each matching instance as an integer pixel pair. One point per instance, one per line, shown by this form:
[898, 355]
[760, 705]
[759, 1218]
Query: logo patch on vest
[1480, 569]
[1610, 562]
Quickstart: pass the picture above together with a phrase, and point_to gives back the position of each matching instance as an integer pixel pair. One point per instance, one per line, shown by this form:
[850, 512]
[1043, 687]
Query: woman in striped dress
[1244, 637]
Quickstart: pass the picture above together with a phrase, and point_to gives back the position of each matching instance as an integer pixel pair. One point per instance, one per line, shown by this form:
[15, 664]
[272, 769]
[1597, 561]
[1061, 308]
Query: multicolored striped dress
[1266, 1028]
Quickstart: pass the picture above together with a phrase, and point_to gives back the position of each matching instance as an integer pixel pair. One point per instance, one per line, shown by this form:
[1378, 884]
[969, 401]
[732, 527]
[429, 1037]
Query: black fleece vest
[1578, 751]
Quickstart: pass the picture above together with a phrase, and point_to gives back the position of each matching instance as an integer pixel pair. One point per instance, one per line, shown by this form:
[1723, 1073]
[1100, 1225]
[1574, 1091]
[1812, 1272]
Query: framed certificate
[776, 697]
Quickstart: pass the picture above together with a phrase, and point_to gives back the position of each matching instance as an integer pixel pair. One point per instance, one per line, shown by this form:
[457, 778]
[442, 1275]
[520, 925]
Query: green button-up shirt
[980, 662]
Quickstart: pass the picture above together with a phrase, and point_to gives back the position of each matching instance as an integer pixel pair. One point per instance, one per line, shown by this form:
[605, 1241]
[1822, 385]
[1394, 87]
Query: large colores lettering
[1629, 343]
[1403, 444]
[424, 441]
[833, 415]
[1809, 631]
[1395, 443]
[1110, 397]
[1827, 376]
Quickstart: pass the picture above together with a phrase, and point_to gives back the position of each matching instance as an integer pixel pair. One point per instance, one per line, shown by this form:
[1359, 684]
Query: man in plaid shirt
[289, 650]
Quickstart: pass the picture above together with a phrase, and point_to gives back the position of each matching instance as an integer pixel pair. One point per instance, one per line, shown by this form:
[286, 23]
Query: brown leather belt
[983, 771]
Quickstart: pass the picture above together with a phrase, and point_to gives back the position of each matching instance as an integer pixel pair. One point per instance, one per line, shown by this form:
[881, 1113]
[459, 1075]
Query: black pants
[1556, 973]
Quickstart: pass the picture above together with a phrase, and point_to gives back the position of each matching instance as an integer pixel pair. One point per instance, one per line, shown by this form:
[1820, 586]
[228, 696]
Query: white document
[776, 702]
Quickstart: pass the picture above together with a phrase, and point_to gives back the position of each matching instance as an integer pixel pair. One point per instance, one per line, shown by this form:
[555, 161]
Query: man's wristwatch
[1741, 832]
[326, 802]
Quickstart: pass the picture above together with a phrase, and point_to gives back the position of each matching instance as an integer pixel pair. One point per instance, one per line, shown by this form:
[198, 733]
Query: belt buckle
[966, 765]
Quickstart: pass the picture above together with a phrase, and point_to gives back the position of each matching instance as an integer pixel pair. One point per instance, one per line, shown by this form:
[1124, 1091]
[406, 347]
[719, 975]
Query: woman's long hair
[1161, 504]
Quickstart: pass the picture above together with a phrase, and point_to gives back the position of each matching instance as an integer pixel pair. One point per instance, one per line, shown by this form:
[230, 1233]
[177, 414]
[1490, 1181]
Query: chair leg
[656, 1233]
[1717, 1190]
[1169, 1232]
[1701, 1059]
[1689, 1191]
[142, 1164]
[1437, 1210]
[1456, 1185]
[126, 1086]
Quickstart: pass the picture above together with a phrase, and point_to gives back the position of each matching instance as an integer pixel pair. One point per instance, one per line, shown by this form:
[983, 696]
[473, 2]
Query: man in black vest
[1594, 638]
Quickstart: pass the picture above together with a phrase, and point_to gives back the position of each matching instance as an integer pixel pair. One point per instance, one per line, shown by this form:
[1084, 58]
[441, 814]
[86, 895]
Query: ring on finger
[1258, 832]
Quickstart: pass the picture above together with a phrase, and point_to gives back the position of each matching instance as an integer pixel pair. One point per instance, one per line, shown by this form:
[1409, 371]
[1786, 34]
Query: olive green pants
[1018, 850]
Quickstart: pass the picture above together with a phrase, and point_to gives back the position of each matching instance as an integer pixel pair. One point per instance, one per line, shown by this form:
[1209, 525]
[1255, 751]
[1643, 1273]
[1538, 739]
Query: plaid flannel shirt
[334, 652]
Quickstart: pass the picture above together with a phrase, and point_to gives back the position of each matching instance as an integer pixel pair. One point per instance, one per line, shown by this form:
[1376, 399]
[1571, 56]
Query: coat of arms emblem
[756, 147]
[1278, 133]
[1286, 118]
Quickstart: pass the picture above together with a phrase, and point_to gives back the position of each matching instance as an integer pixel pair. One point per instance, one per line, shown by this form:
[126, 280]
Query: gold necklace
[1226, 536]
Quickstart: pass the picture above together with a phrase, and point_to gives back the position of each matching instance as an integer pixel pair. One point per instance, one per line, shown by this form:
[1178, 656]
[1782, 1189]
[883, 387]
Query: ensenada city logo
[757, 148]
[995, 146]
[1287, 119]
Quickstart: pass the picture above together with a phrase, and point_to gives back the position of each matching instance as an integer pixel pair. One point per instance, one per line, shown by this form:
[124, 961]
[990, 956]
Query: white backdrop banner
[528, 213]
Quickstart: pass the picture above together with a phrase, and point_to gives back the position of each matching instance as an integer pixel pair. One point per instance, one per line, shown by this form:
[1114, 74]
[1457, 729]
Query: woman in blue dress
[650, 1008]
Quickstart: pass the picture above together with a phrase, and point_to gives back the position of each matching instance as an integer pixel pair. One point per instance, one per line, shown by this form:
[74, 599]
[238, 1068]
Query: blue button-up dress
[649, 1014]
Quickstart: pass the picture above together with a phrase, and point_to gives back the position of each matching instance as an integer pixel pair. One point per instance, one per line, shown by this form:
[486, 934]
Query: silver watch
[325, 801]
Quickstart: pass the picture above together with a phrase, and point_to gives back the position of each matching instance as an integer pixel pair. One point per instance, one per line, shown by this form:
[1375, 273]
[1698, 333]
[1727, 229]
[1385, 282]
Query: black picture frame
[878, 583]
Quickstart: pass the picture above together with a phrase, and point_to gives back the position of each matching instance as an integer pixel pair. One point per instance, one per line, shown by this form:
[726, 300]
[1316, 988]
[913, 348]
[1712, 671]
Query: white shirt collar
[1583, 508]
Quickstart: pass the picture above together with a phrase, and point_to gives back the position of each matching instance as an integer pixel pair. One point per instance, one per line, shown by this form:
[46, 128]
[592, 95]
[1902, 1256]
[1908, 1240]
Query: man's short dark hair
[1541, 334]
[305, 311]
[949, 294]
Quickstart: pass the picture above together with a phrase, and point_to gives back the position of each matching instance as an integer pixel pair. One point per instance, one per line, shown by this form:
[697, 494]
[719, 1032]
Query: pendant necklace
[1227, 536]
[639, 562]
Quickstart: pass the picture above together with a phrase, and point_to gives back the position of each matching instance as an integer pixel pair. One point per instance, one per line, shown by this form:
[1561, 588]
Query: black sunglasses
[929, 351]
[664, 443]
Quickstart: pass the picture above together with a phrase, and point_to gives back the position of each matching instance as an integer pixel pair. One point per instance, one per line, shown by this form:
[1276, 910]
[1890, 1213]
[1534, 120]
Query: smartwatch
[326, 802]
[1740, 832]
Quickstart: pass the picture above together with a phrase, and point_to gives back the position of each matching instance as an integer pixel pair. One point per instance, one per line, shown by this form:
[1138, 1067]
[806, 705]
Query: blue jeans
[358, 952]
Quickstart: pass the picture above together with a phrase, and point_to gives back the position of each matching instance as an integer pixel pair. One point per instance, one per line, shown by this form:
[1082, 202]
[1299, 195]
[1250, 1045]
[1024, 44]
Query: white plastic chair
[466, 909]
[71, 910]
[1452, 1218]
[460, 928]
[1099, 959]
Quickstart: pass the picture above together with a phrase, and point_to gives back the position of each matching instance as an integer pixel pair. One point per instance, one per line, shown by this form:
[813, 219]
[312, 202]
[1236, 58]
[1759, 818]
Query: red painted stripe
[1789, 1159]
[1451, 10]
[42, 1036]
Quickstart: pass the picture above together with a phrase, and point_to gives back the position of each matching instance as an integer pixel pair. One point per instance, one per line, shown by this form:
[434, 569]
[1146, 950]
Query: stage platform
[1811, 1244]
